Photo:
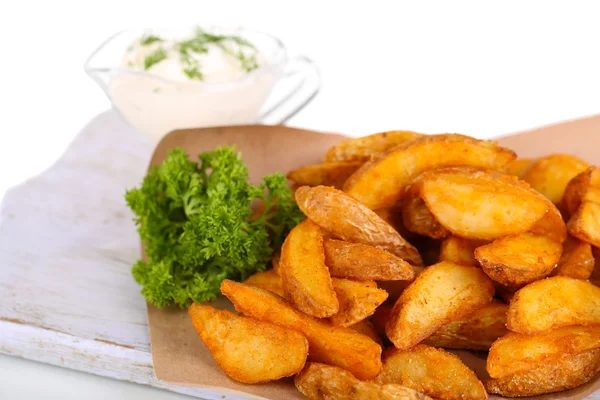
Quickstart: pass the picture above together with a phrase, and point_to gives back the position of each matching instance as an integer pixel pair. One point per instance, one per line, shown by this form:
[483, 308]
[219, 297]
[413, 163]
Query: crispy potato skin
[381, 181]
[347, 219]
[417, 218]
[585, 223]
[358, 300]
[566, 373]
[305, 277]
[576, 259]
[432, 371]
[517, 352]
[553, 302]
[363, 148]
[518, 166]
[515, 261]
[551, 174]
[364, 262]
[248, 350]
[329, 174]
[267, 280]
[333, 345]
[324, 382]
[442, 293]
[581, 188]
[460, 251]
[366, 328]
[475, 332]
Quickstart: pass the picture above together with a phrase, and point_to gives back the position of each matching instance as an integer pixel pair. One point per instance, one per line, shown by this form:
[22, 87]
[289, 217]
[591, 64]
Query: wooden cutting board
[67, 243]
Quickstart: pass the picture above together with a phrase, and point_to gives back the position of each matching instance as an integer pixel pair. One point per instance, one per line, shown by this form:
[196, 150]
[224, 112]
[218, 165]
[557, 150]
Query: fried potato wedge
[551, 174]
[267, 280]
[334, 345]
[518, 166]
[417, 218]
[576, 259]
[475, 332]
[432, 371]
[363, 148]
[305, 277]
[381, 181]
[515, 261]
[595, 277]
[246, 349]
[568, 372]
[367, 328]
[517, 352]
[324, 382]
[583, 187]
[477, 204]
[553, 302]
[364, 262]
[442, 293]
[358, 300]
[347, 219]
[329, 174]
[460, 251]
[585, 223]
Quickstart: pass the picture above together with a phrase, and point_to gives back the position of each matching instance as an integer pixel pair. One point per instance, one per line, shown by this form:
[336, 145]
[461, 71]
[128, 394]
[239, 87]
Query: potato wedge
[576, 259]
[568, 372]
[475, 332]
[364, 262]
[515, 261]
[585, 223]
[460, 251]
[367, 328]
[551, 174]
[305, 277]
[479, 204]
[324, 382]
[334, 345]
[417, 218]
[329, 174]
[517, 352]
[518, 166]
[363, 148]
[553, 302]
[381, 181]
[347, 219]
[442, 293]
[583, 187]
[267, 280]
[595, 277]
[358, 300]
[246, 349]
[432, 371]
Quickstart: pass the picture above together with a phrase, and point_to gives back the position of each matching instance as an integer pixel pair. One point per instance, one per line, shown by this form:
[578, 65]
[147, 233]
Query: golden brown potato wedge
[347, 219]
[568, 372]
[585, 223]
[342, 347]
[583, 187]
[367, 328]
[324, 382]
[517, 352]
[479, 204]
[518, 166]
[553, 302]
[595, 277]
[363, 148]
[551, 174]
[460, 251]
[442, 293]
[432, 371]
[305, 277]
[267, 280]
[576, 259]
[246, 349]
[329, 174]
[364, 262]
[515, 261]
[551, 225]
[381, 181]
[358, 300]
[475, 332]
[417, 218]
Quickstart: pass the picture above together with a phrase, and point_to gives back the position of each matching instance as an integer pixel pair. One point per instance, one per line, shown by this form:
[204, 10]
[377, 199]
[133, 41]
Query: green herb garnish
[194, 221]
[149, 39]
[154, 58]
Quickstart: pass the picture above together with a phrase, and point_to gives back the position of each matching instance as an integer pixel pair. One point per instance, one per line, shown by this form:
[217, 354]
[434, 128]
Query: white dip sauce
[195, 81]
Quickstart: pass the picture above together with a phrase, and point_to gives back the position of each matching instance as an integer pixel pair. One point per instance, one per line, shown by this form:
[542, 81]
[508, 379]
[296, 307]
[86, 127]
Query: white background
[478, 68]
